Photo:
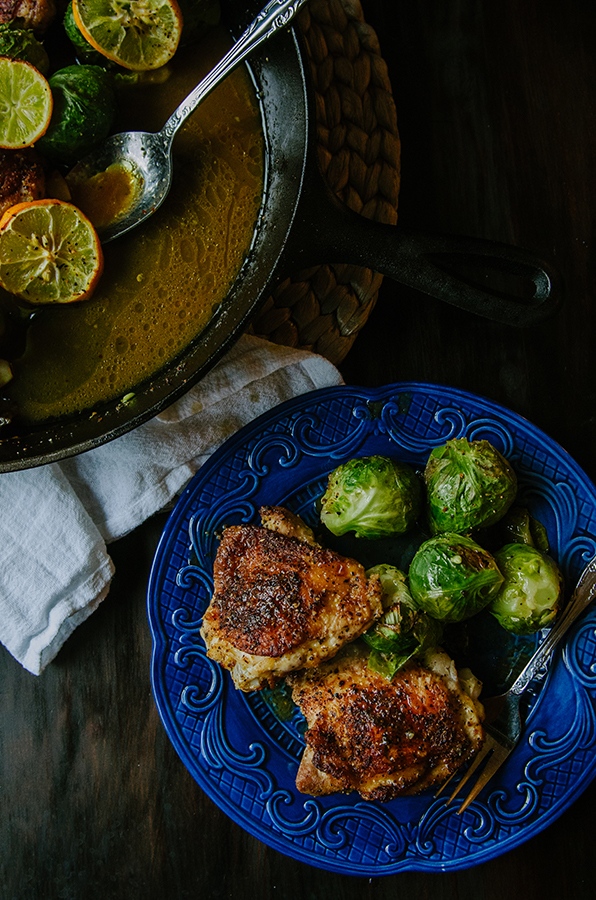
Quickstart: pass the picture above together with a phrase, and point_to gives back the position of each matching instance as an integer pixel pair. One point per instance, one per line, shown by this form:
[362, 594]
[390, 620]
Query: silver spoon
[146, 157]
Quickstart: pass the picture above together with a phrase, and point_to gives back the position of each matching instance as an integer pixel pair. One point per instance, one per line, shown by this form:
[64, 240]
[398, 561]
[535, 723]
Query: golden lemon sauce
[163, 281]
[107, 195]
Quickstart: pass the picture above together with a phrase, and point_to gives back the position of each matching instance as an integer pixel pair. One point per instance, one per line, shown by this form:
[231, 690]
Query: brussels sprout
[520, 527]
[84, 108]
[469, 485]
[402, 631]
[532, 590]
[21, 43]
[453, 578]
[83, 49]
[373, 496]
[394, 584]
[6, 373]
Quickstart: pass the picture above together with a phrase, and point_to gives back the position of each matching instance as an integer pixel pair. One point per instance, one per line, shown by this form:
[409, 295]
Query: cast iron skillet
[301, 224]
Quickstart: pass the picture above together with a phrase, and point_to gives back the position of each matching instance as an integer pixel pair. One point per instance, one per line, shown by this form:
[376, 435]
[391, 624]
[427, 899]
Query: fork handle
[580, 599]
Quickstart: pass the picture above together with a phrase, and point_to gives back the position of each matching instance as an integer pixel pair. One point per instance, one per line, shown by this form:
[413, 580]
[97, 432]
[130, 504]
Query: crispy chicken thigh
[21, 177]
[281, 602]
[282, 520]
[35, 14]
[383, 737]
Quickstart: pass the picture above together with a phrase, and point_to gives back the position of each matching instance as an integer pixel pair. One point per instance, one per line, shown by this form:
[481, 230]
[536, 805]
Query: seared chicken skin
[383, 737]
[21, 177]
[280, 603]
[35, 14]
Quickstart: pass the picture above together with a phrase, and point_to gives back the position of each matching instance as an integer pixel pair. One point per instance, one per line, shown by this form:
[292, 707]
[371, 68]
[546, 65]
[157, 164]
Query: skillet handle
[429, 263]
[331, 232]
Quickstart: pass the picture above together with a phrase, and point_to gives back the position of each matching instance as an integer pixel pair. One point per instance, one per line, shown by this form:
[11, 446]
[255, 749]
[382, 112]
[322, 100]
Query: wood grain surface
[496, 106]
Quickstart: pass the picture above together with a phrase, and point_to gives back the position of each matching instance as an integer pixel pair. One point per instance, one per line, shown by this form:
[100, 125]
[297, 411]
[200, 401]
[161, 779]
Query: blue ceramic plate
[244, 749]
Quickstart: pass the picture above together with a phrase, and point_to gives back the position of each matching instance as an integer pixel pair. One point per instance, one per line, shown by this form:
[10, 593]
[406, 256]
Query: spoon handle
[581, 598]
[275, 15]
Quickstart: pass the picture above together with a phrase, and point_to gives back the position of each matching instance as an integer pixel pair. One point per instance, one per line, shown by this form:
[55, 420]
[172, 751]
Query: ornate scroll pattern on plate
[245, 754]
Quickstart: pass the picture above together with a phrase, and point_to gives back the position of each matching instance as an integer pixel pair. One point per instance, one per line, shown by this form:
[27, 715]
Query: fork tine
[482, 753]
[475, 763]
[496, 760]
[446, 783]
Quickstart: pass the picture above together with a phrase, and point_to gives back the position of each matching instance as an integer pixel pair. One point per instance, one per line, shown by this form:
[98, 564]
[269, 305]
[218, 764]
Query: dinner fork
[503, 719]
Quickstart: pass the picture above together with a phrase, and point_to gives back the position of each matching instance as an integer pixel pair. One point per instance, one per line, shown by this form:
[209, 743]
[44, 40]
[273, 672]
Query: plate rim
[283, 843]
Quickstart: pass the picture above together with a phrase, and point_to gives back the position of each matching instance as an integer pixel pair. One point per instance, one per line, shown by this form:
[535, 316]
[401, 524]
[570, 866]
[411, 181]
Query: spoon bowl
[142, 162]
[136, 166]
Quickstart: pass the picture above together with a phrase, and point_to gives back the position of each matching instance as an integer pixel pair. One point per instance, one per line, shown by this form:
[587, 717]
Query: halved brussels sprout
[394, 584]
[402, 631]
[469, 485]
[453, 578]
[373, 496]
[531, 594]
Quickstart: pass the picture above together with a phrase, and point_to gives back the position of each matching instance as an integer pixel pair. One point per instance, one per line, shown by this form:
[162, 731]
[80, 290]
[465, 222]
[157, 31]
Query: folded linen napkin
[56, 520]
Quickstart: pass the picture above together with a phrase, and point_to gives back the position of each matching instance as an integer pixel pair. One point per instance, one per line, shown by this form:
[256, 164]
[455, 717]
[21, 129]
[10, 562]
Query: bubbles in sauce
[161, 282]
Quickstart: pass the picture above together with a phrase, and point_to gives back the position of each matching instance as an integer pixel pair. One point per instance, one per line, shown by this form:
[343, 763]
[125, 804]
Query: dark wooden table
[497, 113]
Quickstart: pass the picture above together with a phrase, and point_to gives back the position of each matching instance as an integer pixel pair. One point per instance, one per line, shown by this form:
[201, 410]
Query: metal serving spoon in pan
[428, 263]
[303, 224]
[145, 158]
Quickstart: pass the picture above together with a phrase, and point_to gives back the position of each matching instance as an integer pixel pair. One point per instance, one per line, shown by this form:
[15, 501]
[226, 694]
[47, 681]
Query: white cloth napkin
[56, 520]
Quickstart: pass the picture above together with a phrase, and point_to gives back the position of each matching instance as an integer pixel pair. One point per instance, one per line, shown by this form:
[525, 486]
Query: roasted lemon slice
[136, 34]
[49, 252]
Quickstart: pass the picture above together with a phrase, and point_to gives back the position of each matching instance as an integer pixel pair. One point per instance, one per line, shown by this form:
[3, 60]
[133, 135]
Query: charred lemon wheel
[136, 34]
[25, 103]
[49, 252]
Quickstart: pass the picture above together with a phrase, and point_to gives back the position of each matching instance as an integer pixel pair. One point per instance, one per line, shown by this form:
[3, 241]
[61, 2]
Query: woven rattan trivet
[324, 308]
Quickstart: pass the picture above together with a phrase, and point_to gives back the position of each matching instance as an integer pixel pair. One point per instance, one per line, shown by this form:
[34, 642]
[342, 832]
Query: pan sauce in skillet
[162, 282]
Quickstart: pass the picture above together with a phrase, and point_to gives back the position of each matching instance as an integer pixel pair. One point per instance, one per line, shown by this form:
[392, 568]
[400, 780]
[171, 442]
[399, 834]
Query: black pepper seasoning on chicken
[282, 602]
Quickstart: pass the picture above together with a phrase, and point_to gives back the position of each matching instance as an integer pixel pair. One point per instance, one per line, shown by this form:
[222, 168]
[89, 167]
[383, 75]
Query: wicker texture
[324, 308]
